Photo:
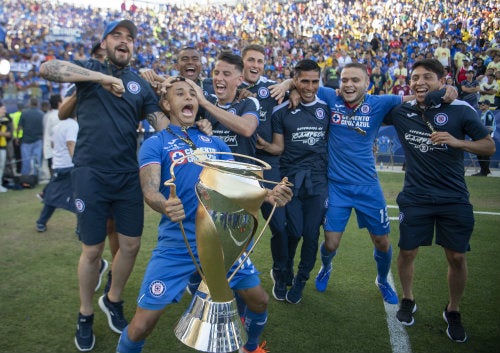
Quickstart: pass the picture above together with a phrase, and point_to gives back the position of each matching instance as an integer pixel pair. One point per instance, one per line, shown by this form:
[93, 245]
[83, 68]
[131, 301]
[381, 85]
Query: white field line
[400, 343]
[475, 212]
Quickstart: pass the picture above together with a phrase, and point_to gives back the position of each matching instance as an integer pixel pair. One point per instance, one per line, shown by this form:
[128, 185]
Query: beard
[118, 58]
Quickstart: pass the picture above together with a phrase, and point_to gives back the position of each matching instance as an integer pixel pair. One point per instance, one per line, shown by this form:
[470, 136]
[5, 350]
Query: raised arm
[244, 125]
[64, 71]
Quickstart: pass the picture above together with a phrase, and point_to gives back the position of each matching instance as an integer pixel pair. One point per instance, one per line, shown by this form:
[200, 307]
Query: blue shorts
[168, 272]
[98, 194]
[367, 200]
[418, 217]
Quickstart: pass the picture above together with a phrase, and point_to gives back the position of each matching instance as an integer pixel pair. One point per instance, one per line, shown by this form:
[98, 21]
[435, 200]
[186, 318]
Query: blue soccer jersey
[350, 153]
[163, 148]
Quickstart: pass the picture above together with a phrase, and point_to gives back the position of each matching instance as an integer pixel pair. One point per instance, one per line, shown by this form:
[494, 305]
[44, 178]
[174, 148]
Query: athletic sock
[125, 345]
[254, 325]
[383, 260]
[326, 257]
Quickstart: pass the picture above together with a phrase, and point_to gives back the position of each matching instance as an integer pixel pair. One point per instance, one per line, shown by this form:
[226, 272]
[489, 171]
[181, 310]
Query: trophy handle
[173, 194]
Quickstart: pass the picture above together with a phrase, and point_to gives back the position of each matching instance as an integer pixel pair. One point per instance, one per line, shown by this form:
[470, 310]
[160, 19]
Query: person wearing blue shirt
[352, 177]
[171, 264]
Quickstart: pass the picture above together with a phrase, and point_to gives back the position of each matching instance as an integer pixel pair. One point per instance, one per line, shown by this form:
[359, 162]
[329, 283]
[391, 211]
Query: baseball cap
[124, 23]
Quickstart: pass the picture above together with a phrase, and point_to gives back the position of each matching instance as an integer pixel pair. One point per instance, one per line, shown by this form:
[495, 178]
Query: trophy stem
[254, 244]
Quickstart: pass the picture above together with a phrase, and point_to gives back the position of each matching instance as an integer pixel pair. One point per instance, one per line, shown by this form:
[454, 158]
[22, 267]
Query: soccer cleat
[322, 278]
[84, 336]
[387, 292]
[294, 295]
[114, 312]
[260, 349]
[279, 287]
[455, 330]
[405, 312]
[102, 269]
[39, 196]
[40, 228]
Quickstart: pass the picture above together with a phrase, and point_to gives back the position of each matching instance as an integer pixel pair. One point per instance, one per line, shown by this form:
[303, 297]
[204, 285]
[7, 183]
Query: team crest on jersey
[204, 138]
[232, 111]
[440, 119]
[320, 113]
[365, 108]
[263, 92]
[79, 205]
[174, 155]
[157, 288]
[133, 87]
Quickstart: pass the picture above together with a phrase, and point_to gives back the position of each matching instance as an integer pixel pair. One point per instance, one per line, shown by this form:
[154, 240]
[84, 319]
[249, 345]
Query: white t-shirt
[50, 120]
[64, 131]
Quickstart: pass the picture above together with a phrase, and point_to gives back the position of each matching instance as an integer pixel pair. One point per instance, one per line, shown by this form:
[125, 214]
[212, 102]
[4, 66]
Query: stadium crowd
[390, 34]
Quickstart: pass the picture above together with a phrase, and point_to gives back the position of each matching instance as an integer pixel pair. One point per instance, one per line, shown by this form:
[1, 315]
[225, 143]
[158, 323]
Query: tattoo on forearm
[57, 72]
[158, 120]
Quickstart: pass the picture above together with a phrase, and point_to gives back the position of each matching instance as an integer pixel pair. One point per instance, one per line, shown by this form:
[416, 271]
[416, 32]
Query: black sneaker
[84, 337]
[102, 269]
[40, 228]
[294, 295]
[455, 330]
[114, 312]
[279, 287]
[405, 312]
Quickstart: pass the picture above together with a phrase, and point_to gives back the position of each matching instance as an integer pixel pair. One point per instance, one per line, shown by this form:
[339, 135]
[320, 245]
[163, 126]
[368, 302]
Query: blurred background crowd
[388, 36]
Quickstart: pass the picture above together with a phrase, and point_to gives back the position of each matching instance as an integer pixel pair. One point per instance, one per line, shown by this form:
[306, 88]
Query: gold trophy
[230, 196]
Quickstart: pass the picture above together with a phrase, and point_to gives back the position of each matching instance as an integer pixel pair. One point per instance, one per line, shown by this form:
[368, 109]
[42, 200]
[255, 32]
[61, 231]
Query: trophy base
[211, 326]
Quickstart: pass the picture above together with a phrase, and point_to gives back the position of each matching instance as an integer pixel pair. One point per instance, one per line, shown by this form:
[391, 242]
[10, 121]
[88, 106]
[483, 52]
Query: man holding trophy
[178, 148]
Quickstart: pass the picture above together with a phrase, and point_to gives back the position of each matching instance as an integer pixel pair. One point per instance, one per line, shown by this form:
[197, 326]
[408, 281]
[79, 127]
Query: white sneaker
[2, 189]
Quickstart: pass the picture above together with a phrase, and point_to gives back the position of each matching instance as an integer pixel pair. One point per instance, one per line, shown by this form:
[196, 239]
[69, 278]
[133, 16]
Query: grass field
[39, 289]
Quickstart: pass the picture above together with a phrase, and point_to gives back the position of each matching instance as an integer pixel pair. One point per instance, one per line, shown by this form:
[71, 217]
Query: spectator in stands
[489, 121]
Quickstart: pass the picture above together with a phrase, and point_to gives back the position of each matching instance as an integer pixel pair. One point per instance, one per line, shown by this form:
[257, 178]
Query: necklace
[424, 118]
[184, 138]
[350, 118]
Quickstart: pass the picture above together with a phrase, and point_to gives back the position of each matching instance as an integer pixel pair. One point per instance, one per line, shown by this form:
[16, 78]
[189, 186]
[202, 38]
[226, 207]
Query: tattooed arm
[64, 71]
[150, 183]
[158, 120]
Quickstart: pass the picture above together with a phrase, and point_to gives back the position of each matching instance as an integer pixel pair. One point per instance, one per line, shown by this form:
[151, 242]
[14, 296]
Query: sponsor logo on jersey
[293, 112]
[133, 87]
[204, 138]
[174, 155]
[157, 288]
